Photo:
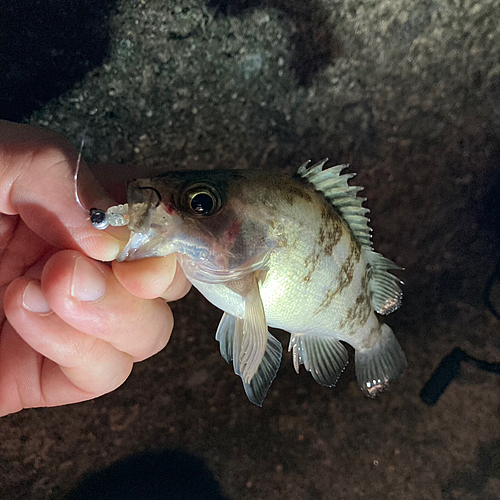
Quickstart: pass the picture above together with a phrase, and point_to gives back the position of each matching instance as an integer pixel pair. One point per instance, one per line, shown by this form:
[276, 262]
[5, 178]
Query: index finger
[37, 182]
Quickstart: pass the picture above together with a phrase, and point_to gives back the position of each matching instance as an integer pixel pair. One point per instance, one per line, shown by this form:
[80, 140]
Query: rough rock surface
[406, 91]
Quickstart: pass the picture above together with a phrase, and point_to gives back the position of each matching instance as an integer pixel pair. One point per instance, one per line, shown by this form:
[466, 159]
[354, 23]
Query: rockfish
[290, 252]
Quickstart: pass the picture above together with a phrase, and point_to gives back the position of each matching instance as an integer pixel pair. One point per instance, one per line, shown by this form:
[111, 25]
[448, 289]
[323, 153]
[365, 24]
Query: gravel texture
[408, 93]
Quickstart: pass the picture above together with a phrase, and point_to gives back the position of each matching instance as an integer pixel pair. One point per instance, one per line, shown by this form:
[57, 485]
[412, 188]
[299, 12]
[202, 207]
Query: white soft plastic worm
[118, 215]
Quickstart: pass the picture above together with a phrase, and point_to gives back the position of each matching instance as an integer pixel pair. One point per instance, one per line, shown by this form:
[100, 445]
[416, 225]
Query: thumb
[37, 183]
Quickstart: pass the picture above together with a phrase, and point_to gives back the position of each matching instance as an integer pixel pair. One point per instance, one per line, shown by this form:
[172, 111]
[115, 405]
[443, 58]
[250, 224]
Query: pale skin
[71, 325]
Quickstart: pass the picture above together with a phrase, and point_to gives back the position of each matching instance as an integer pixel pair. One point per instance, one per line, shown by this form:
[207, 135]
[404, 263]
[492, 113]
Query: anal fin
[324, 357]
[225, 335]
[257, 388]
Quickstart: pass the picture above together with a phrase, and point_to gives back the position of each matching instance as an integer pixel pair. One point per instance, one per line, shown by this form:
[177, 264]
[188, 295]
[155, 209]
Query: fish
[269, 249]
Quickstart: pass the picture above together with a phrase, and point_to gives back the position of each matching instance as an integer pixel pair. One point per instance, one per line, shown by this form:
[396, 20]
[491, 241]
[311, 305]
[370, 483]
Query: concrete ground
[407, 92]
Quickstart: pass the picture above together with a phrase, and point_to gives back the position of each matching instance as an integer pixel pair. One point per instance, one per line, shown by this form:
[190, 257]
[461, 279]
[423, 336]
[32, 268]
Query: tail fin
[381, 364]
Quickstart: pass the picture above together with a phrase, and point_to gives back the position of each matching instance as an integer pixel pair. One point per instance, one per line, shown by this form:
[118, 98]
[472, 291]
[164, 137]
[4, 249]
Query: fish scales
[274, 250]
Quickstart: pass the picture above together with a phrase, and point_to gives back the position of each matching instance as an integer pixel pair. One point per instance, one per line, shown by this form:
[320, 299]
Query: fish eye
[200, 199]
[202, 202]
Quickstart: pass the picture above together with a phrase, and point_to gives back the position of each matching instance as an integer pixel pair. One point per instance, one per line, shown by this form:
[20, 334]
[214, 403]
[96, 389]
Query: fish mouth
[150, 229]
[139, 246]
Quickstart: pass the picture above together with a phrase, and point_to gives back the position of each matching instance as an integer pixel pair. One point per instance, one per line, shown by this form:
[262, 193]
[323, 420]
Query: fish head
[209, 218]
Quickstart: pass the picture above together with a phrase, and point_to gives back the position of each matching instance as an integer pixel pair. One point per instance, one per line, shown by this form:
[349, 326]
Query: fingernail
[34, 300]
[89, 282]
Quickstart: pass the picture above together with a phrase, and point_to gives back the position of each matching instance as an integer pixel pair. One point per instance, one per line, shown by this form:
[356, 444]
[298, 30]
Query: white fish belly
[222, 297]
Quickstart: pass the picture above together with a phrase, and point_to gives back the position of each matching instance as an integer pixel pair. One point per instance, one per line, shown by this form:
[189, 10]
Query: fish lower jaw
[142, 246]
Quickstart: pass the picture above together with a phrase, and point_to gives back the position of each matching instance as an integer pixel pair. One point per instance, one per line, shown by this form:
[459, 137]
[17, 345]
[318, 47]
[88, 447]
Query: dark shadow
[164, 475]
[471, 482]
[449, 370]
[47, 46]
[313, 44]
[489, 214]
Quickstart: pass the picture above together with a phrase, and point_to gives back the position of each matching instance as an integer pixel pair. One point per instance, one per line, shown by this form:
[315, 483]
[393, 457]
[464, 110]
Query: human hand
[70, 327]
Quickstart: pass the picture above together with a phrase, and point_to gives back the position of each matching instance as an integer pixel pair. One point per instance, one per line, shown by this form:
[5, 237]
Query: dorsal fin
[384, 287]
[345, 198]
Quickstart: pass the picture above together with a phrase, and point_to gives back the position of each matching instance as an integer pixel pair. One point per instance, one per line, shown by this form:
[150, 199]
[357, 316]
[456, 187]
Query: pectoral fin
[250, 339]
[249, 350]
[325, 358]
[256, 390]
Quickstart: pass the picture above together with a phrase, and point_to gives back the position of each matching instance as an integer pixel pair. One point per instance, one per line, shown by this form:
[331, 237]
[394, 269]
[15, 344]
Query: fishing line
[78, 163]
[97, 217]
[77, 170]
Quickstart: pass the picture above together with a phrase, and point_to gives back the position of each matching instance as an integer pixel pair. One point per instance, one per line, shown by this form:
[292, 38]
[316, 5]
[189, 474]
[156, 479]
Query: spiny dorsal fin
[384, 287]
[345, 198]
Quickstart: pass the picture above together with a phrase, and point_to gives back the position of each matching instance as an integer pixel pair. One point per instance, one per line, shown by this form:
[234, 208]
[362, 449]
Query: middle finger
[87, 295]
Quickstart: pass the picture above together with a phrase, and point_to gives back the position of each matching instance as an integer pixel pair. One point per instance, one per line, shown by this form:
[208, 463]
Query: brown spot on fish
[329, 234]
[330, 229]
[355, 249]
[362, 310]
[365, 278]
[311, 263]
[344, 279]
[372, 338]
[274, 189]
[292, 192]
[357, 315]
[282, 241]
